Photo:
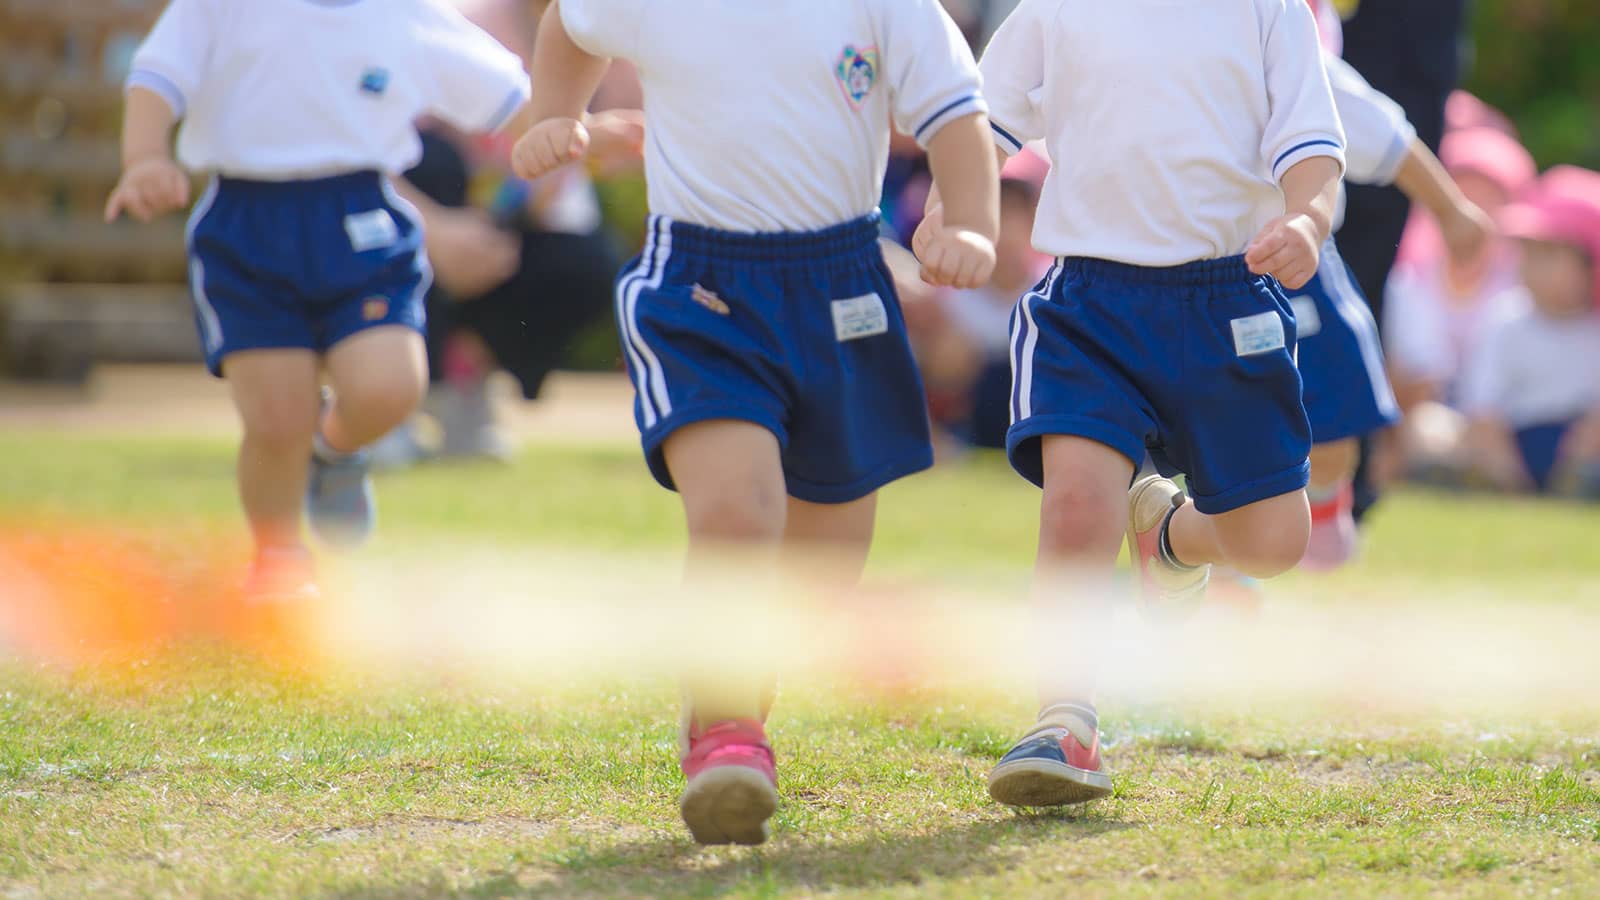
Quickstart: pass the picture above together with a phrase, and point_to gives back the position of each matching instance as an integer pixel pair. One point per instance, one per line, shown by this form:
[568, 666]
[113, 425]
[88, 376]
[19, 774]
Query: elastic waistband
[345, 181]
[847, 239]
[1227, 270]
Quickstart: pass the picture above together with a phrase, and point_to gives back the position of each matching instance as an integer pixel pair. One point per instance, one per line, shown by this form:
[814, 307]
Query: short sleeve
[932, 76]
[1013, 76]
[604, 27]
[1302, 122]
[477, 84]
[1376, 130]
[173, 59]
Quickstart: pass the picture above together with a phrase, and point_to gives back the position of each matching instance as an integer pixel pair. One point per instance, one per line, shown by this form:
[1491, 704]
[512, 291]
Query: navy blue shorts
[1193, 365]
[1347, 392]
[303, 264]
[799, 333]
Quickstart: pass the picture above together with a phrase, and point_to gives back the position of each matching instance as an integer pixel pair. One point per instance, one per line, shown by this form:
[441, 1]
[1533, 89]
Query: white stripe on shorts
[1357, 317]
[1022, 372]
[210, 324]
[424, 265]
[628, 287]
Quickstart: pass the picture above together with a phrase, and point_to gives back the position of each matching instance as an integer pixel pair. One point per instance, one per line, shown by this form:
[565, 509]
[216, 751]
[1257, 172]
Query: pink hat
[1465, 110]
[1490, 153]
[1563, 206]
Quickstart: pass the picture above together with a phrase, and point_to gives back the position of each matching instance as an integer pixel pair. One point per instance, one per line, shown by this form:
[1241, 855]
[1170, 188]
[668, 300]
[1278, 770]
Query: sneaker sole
[729, 805]
[1042, 782]
[1136, 494]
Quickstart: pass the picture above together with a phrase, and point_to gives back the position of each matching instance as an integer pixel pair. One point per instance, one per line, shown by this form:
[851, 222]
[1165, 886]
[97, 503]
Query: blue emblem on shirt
[375, 81]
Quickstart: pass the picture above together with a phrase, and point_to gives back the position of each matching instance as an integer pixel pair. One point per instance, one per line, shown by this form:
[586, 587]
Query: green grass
[193, 773]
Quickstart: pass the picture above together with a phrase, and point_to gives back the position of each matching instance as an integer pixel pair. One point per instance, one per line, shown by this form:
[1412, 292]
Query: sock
[1077, 717]
[1164, 546]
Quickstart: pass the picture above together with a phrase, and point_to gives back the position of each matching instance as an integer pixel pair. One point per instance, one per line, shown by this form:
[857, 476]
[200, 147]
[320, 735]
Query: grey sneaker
[339, 501]
[465, 414]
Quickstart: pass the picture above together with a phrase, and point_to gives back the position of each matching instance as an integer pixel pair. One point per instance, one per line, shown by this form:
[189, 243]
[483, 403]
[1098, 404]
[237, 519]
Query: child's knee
[282, 425]
[739, 510]
[1268, 544]
[380, 403]
[1082, 518]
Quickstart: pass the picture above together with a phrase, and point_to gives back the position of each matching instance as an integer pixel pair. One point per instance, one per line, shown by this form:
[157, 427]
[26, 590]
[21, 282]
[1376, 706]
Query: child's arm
[152, 183]
[1422, 178]
[566, 77]
[1493, 452]
[1302, 143]
[957, 248]
[1383, 149]
[168, 68]
[1289, 248]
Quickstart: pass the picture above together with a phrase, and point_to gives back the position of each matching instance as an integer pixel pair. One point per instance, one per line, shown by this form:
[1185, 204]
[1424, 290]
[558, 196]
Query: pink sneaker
[733, 783]
[1163, 589]
[1333, 533]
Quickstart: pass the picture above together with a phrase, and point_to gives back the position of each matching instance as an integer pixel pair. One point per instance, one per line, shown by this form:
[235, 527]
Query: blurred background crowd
[1496, 367]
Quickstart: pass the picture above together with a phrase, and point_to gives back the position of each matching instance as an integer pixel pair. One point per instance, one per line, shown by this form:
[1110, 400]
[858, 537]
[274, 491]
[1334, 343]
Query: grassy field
[187, 770]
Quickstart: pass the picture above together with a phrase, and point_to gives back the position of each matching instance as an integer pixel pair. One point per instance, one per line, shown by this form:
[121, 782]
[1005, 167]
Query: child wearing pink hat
[1532, 393]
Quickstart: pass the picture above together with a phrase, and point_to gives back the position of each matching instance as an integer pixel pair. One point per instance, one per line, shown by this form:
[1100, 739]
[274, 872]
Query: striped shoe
[1055, 764]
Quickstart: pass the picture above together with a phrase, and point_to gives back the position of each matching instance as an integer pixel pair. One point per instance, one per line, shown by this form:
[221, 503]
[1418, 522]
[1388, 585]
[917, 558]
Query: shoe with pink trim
[732, 785]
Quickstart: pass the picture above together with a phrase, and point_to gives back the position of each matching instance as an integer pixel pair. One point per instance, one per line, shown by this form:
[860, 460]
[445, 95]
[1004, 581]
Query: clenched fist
[950, 256]
[549, 145]
[1288, 248]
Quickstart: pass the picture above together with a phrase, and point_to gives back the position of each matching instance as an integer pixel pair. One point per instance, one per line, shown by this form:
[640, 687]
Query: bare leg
[275, 392]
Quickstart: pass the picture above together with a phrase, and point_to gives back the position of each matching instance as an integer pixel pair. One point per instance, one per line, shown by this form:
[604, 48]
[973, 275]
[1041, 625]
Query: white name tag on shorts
[371, 230]
[1306, 319]
[1257, 334]
[859, 317]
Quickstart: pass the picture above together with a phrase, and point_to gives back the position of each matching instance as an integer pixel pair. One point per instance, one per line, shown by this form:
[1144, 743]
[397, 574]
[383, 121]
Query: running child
[1347, 391]
[303, 260]
[1197, 161]
[776, 391]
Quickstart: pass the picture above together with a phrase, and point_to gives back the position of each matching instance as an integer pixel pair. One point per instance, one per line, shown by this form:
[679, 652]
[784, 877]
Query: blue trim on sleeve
[970, 98]
[160, 84]
[507, 109]
[1010, 138]
[1319, 142]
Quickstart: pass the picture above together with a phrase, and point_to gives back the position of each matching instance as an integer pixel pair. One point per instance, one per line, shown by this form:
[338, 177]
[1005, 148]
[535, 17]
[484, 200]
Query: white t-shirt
[1535, 370]
[1375, 127]
[1430, 335]
[286, 89]
[774, 116]
[1169, 122]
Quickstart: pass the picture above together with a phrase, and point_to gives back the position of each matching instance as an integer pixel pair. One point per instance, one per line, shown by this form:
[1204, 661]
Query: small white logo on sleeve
[371, 230]
[1257, 334]
[1306, 319]
[859, 317]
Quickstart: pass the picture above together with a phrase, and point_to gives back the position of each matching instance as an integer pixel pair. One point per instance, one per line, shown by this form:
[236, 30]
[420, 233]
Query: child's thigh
[384, 361]
[1085, 489]
[275, 389]
[718, 461]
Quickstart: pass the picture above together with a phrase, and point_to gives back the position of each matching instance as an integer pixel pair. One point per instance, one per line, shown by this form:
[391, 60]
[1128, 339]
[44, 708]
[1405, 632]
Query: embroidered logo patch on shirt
[859, 317]
[857, 72]
[375, 81]
[1257, 334]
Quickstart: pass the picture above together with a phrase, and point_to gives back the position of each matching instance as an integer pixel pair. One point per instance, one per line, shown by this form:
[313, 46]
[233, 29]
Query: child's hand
[616, 136]
[1467, 233]
[548, 145]
[952, 257]
[148, 188]
[1288, 248]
